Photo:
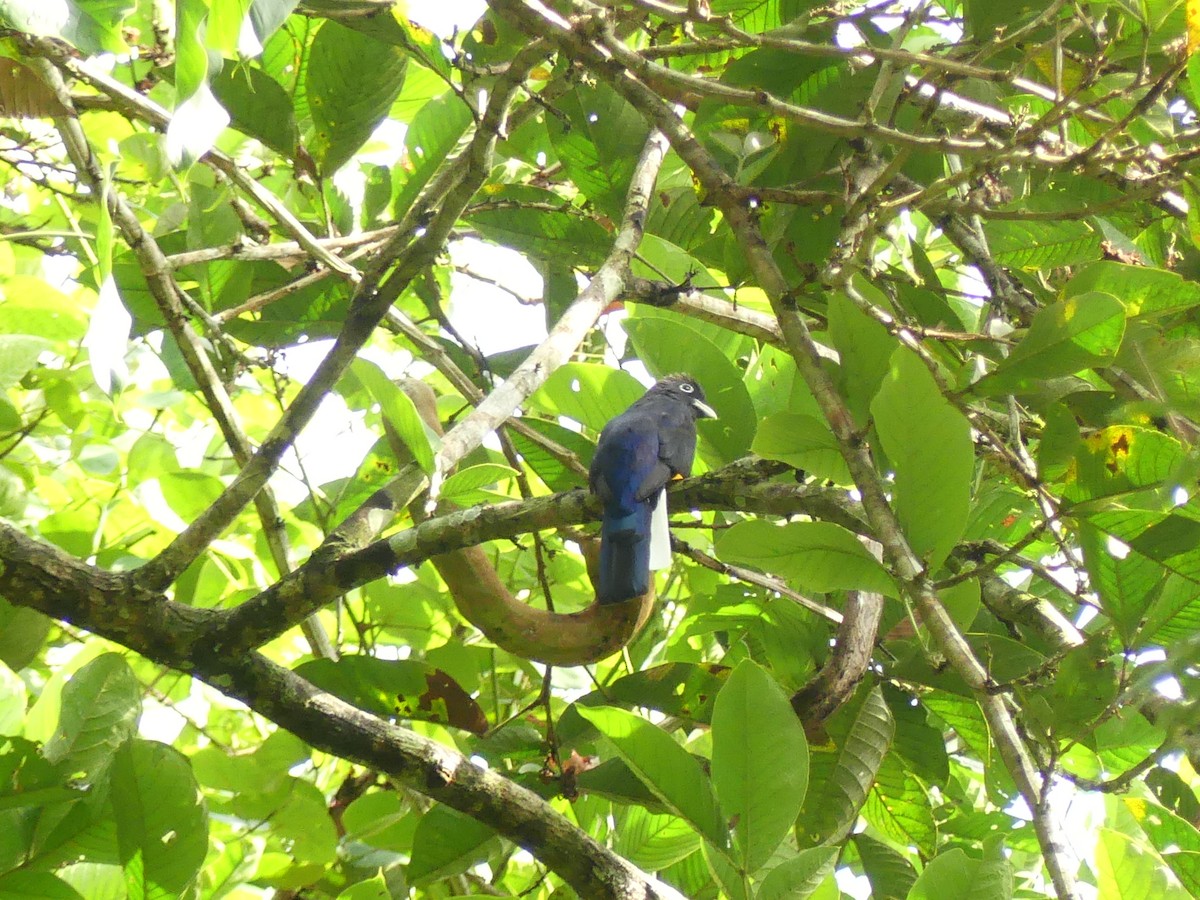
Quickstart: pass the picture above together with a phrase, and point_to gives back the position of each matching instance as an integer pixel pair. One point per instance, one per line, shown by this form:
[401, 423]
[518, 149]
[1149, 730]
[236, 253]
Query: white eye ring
[687, 388]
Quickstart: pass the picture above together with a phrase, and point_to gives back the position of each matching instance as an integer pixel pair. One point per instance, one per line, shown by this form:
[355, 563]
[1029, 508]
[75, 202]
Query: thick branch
[439, 772]
[42, 577]
[319, 581]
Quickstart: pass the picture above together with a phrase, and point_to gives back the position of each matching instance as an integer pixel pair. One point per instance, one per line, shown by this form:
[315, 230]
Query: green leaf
[23, 885]
[381, 819]
[539, 223]
[669, 771]
[19, 354]
[351, 81]
[798, 877]
[759, 762]
[685, 690]
[1059, 443]
[678, 218]
[1120, 459]
[162, 825]
[964, 716]
[93, 27]
[266, 16]
[431, 136]
[1169, 540]
[191, 57]
[33, 307]
[890, 874]
[983, 18]
[962, 602]
[815, 556]
[804, 442]
[556, 474]
[1043, 245]
[235, 863]
[23, 633]
[1125, 869]
[1145, 291]
[408, 688]
[258, 106]
[374, 888]
[653, 841]
[588, 393]
[97, 881]
[464, 485]
[841, 783]
[1078, 333]
[899, 807]
[598, 137]
[667, 346]
[1174, 613]
[662, 261]
[224, 26]
[1175, 838]
[921, 744]
[13, 700]
[954, 874]
[398, 409]
[865, 349]
[100, 709]
[929, 444]
[735, 886]
[189, 493]
[446, 843]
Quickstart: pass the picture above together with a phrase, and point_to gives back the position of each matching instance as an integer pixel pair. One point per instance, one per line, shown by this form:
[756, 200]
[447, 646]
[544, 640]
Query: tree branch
[371, 300]
[533, 17]
[167, 295]
[319, 581]
[43, 577]
[439, 772]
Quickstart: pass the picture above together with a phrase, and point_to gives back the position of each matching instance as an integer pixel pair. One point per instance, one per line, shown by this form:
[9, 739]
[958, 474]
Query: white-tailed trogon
[639, 452]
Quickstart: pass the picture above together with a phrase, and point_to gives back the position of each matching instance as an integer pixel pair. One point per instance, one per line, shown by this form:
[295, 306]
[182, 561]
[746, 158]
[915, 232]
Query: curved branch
[847, 664]
[560, 639]
[485, 601]
[326, 576]
[331, 569]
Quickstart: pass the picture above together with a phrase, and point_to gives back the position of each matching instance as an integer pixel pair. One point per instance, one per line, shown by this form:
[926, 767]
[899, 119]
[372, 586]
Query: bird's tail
[624, 555]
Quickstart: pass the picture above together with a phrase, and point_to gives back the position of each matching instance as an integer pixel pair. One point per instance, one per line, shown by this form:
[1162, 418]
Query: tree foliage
[932, 625]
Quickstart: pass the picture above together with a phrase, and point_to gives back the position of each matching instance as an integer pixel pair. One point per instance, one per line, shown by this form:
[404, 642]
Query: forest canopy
[311, 315]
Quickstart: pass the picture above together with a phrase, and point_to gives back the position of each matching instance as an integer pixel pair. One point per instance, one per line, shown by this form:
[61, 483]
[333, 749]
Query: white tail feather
[660, 535]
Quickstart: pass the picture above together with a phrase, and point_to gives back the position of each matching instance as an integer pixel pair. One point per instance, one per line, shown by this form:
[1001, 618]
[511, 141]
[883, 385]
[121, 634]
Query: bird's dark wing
[638, 453]
[627, 457]
[677, 442]
[675, 427]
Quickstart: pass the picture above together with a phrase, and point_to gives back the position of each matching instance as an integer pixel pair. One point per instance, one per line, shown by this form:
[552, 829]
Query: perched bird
[639, 451]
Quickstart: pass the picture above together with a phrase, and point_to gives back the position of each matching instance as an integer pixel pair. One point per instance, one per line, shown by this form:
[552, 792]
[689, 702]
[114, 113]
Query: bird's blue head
[685, 389]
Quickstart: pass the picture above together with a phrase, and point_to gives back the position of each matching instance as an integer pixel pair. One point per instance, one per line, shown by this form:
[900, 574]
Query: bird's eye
[687, 388]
